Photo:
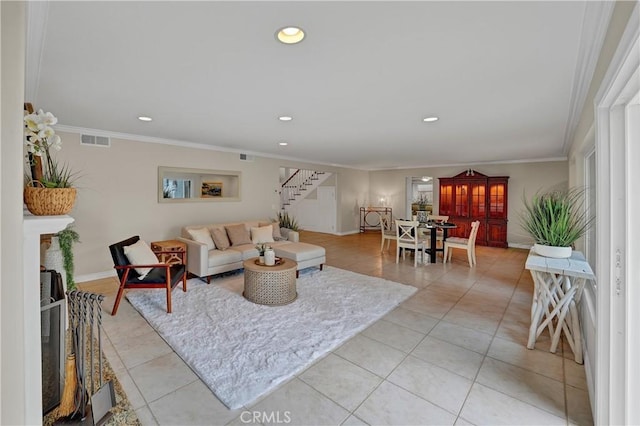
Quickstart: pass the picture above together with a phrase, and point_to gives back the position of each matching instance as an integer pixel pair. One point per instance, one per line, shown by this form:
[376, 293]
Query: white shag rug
[242, 350]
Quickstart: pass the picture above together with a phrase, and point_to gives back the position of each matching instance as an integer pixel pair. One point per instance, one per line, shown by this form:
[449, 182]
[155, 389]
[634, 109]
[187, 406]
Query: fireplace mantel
[33, 227]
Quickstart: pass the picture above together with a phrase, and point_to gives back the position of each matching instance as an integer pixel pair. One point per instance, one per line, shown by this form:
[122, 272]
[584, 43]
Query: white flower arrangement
[40, 139]
[262, 247]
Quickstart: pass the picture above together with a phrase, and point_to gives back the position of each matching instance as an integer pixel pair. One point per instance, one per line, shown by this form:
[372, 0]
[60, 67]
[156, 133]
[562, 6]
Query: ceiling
[507, 79]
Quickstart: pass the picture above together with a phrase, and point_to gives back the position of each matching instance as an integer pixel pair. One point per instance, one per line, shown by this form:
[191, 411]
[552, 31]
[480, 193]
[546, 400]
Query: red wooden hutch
[471, 196]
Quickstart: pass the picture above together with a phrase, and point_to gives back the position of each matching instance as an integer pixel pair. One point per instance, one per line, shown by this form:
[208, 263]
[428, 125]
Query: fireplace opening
[52, 326]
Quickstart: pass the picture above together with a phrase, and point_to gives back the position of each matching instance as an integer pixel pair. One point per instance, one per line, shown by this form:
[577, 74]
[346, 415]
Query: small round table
[434, 229]
[270, 285]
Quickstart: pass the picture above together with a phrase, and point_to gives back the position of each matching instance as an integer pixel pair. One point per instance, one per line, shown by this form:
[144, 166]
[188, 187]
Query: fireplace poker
[90, 298]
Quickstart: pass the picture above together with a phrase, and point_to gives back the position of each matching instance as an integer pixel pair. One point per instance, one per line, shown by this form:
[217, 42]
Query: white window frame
[618, 210]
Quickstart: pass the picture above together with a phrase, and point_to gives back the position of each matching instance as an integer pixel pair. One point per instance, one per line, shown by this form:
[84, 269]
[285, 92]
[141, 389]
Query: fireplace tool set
[92, 399]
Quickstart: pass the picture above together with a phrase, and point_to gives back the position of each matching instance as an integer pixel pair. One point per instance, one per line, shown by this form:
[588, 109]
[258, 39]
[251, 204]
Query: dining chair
[408, 237]
[387, 231]
[468, 244]
[437, 218]
[439, 232]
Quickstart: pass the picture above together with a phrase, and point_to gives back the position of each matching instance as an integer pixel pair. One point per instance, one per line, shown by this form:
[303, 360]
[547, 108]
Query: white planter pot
[551, 251]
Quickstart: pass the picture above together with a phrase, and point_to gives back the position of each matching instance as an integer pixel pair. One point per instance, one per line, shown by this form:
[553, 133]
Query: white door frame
[408, 191]
[617, 270]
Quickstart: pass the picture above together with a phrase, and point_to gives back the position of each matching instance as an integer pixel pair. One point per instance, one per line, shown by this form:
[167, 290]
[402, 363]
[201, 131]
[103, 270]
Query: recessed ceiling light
[290, 35]
[283, 143]
[285, 118]
[430, 119]
[144, 118]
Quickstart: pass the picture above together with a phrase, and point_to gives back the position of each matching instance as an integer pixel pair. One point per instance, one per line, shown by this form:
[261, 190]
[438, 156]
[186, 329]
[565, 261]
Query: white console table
[558, 286]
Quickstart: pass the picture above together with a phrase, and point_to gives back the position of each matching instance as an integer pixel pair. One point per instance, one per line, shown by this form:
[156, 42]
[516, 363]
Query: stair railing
[296, 184]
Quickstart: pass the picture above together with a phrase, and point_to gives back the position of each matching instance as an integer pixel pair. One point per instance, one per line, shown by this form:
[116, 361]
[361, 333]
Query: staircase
[299, 185]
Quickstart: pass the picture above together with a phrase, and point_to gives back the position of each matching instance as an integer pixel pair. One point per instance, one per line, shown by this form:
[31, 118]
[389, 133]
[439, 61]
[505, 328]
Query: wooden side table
[170, 251]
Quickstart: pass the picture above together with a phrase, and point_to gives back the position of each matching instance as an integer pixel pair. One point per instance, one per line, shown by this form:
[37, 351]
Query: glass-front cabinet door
[498, 199]
[446, 198]
[462, 200]
[478, 200]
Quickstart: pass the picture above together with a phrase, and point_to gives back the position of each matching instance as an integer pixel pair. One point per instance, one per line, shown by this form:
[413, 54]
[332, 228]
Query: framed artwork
[211, 189]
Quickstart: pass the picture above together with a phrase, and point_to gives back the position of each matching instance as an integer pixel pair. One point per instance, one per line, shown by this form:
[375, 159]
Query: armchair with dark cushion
[160, 276]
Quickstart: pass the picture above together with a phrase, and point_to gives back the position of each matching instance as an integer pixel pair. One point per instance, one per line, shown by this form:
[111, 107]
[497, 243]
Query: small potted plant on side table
[556, 219]
[421, 213]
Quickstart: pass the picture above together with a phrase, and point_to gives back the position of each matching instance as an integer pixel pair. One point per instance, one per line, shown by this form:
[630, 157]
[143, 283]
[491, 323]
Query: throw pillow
[238, 234]
[140, 253]
[263, 234]
[220, 239]
[202, 235]
[277, 236]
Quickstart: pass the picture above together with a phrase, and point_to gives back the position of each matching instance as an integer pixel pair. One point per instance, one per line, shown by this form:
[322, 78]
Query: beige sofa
[204, 261]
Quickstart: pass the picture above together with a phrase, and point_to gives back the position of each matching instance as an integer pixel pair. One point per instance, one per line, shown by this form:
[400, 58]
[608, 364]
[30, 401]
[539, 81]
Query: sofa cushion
[277, 235]
[219, 257]
[246, 250]
[220, 238]
[238, 234]
[263, 234]
[279, 243]
[202, 235]
[141, 254]
[299, 251]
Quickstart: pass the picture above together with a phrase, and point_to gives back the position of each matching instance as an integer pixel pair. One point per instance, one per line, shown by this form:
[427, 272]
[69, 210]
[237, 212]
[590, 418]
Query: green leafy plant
[287, 221]
[67, 237]
[556, 217]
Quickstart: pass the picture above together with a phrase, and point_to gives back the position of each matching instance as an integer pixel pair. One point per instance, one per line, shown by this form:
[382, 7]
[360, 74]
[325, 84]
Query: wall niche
[181, 185]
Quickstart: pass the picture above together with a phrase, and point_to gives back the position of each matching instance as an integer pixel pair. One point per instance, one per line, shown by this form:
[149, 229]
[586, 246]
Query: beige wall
[523, 177]
[12, 285]
[118, 194]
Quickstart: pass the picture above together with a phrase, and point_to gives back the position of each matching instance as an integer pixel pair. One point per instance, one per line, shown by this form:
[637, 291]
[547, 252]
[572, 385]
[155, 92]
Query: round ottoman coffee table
[270, 285]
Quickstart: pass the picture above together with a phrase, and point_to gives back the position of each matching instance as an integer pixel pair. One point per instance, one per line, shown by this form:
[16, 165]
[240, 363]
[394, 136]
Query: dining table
[433, 227]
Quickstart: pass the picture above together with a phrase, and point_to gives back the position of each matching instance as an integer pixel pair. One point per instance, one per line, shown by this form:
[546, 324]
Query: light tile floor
[454, 353]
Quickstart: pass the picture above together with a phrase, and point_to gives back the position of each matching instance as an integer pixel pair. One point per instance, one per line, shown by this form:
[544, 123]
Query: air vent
[246, 157]
[95, 140]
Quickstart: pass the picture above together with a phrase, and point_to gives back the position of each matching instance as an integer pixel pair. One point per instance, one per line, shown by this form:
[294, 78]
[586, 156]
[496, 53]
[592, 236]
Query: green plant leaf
[556, 217]
[67, 237]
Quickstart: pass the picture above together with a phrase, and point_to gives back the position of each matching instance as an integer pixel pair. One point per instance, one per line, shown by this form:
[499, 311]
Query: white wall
[528, 177]
[12, 285]
[117, 194]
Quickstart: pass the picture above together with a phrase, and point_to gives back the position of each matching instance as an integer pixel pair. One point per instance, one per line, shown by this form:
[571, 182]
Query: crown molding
[174, 142]
[427, 166]
[625, 61]
[161, 141]
[597, 16]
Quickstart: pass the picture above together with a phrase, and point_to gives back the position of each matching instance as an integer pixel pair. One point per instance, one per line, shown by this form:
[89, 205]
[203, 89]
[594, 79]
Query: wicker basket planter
[49, 201]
